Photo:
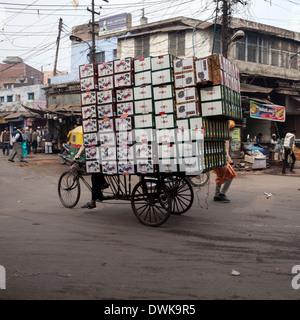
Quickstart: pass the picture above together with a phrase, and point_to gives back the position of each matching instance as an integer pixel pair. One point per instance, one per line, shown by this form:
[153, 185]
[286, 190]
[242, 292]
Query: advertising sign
[114, 23]
[267, 112]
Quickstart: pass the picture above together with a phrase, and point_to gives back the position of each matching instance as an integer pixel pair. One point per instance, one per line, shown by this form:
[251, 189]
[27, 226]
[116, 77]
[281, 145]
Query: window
[31, 96]
[115, 52]
[253, 48]
[100, 57]
[217, 44]
[9, 98]
[1, 99]
[142, 47]
[177, 43]
[18, 97]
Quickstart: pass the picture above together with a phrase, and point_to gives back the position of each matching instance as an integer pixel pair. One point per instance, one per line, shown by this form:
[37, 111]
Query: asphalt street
[241, 250]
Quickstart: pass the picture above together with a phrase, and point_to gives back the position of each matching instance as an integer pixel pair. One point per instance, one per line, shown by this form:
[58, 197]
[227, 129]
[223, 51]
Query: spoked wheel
[181, 193]
[69, 189]
[200, 180]
[151, 202]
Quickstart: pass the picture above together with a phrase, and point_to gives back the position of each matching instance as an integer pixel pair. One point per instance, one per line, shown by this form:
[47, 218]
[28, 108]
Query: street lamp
[78, 39]
[237, 36]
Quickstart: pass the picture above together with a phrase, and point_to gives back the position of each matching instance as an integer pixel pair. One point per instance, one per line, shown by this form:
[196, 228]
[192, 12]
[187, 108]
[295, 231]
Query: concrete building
[15, 73]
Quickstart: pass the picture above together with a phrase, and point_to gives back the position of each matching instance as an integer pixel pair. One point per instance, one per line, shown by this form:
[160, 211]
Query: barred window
[100, 57]
[142, 47]
[177, 43]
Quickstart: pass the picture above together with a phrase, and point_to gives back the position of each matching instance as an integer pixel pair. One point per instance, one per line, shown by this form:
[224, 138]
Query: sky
[29, 28]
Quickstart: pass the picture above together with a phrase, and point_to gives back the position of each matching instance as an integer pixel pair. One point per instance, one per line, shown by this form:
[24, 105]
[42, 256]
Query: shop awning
[254, 89]
[17, 115]
[297, 98]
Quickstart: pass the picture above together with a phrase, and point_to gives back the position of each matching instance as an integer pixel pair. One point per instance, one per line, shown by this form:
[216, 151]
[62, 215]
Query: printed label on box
[168, 165]
[164, 121]
[106, 83]
[108, 153]
[196, 127]
[125, 138]
[190, 166]
[86, 70]
[89, 125]
[185, 80]
[88, 112]
[125, 152]
[184, 65]
[203, 72]
[188, 149]
[104, 97]
[161, 77]
[167, 151]
[165, 136]
[212, 93]
[123, 65]
[211, 108]
[163, 92]
[123, 124]
[161, 62]
[88, 98]
[143, 135]
[143, 121]
[105, 110]
[187, 110]
[144, 151]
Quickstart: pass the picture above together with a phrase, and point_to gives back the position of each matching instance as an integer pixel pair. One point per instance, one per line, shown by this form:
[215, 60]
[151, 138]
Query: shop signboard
[267, 112]
[115, 23]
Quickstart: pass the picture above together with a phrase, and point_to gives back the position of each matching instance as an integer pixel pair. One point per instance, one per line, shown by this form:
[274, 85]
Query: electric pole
[225, 27]
[57, 44]
[93, 32]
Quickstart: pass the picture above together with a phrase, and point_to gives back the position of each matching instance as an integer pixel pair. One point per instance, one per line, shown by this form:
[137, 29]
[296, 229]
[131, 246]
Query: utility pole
[225, 27]
[57, 44]
[93, 32]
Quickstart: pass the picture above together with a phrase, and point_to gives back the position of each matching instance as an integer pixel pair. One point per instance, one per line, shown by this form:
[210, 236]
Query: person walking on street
[29, 137]
[225, 175]
[6, 141]
[17, 140]
[48, 141]
[34, 141]
[289, 145]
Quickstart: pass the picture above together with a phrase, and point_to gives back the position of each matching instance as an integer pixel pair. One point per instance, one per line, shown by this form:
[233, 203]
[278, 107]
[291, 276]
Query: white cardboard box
[106, 69]
[184, 64]
[186, 95]
[164, 106]
[142, 93]
[105, 97]
[125, 108]
[143, 121]
[105, 110]
[161, 77]
[164, 121]
[142, 64]
[88, 98]
[107, 139]
[142, 78]
[143, 106]
[184, 80]
[106, 83]
[187, 110]
[89, 112]
[163, 92]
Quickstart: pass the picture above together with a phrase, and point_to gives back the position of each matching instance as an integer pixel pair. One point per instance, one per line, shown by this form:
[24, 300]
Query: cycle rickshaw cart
[153, 197]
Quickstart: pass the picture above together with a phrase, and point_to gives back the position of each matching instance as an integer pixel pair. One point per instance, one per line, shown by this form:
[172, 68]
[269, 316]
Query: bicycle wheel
[200, 180]
[151, 202]
[69, 189]
[181, 193]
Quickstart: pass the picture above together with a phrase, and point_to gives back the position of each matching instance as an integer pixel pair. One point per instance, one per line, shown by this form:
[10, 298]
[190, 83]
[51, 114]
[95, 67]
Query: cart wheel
[151, 202]
[69, 189]
[200, 180]
[181, 193]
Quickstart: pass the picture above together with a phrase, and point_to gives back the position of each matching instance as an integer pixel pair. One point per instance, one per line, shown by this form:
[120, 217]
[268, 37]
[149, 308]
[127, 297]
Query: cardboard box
[165, 136]
[212, 93]
[165, 121]
[109, 167]
[163, 92]
[146, 166]
[196, 128]
[125, 108]
[187, 149]
[213, 108]
[87, 70]
[123, 80]
[143, 106]
[144, 151]
[126, 167]
[162, 62]
[105, 97]
[106, 83]
[190, 165]
[106, 125]
[259, 164]
[88, 98]
[108, 153]
[124, 95]
[203, 70]
[182, 130]
[185, 95]
[142, 64]
[168, 165]
[184, 65]
[143, 78]
[89, 126]
[90, 139]
[106, 69]
[93, 166]
[88, 84]
[164, 106]
[92, 153]
[142, 93]
[125, 152]
[144, 135]
[143, 121]
[184, 80]
[105, 110]
[125, 138]
[89, 112]
[167, 151]
[107, 139]
[123, 65]
[124, 124]
[187, 110]
[162, 77]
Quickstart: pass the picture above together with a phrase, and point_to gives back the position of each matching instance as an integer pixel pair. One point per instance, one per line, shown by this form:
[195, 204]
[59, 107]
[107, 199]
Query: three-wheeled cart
[153, 197]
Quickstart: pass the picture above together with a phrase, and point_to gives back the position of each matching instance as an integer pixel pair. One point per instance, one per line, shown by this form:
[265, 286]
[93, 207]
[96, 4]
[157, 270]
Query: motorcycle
[65, 153]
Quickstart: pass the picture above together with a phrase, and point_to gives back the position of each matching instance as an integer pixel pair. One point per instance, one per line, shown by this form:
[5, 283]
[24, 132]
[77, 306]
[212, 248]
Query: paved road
[50, 252]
